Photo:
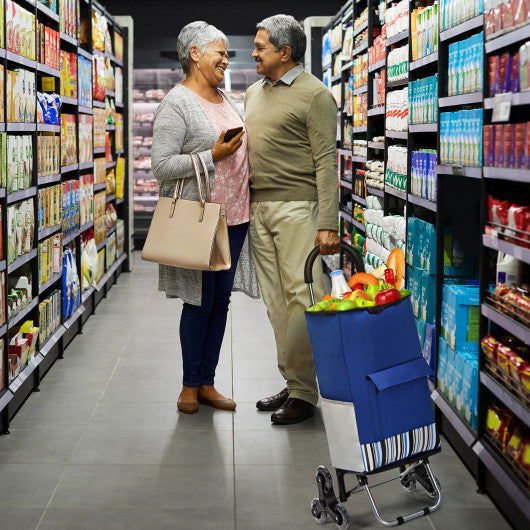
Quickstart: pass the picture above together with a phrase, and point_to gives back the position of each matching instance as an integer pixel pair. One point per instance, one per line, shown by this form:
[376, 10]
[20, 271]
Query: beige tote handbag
[189, 234]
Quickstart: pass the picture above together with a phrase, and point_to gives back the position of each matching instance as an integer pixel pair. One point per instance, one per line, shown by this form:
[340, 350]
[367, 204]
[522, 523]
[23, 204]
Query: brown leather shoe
[209, 396]
[274, 402]
[187, 402]
[294, 410]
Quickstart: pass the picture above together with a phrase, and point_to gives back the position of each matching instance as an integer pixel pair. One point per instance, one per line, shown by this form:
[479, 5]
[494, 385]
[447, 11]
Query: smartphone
[231, 133]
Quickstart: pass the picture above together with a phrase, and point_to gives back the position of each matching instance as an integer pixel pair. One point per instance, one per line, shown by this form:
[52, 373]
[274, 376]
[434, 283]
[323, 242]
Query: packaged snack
[489, 347]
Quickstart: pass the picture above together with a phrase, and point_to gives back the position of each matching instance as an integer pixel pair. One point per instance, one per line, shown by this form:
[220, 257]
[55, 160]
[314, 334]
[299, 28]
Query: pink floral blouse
[230, 184]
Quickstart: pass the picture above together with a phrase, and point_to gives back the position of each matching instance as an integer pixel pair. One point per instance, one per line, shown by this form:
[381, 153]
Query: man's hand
[329, 241]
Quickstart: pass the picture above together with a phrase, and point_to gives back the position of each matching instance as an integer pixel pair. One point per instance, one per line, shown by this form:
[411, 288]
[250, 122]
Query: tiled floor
[102, 446]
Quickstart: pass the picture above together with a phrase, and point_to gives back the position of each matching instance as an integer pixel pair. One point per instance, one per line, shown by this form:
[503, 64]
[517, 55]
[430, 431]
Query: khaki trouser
[282, 233]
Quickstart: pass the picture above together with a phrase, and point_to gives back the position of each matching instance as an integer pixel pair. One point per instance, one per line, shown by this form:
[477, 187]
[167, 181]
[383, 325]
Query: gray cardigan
[182, 127]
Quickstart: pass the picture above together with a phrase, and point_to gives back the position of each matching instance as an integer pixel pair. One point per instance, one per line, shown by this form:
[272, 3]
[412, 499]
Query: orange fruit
[327, 297]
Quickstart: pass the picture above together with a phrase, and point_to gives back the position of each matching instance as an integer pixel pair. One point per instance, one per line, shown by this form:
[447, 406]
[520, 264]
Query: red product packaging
[489, 347]
[498, 146]
[490, 28]
[519, 12]
[507, 140]
[503, 360]
[493, 75]
[489, 136]
[518, 145]
[506, 15]
[521, 220]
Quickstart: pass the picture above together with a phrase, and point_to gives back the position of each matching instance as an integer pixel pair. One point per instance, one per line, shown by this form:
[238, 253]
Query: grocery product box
[470, 392]
[427, 308]
[450, 374]
[442, 366]
[420, 326]
[460, 317]
[428, 249]
[429, 349]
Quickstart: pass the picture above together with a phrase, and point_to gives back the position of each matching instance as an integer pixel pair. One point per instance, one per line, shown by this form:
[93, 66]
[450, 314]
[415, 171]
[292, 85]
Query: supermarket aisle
[102, 446]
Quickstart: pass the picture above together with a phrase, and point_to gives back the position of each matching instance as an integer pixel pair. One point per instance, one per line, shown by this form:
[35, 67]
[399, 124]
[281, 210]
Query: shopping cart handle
[357, 264]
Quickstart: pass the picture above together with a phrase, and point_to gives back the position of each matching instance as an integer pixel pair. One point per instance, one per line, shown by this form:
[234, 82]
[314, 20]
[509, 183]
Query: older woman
[193, 118]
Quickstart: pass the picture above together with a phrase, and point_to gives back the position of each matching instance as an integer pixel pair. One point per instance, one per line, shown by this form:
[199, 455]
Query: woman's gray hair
[284, 30]
[199, 34]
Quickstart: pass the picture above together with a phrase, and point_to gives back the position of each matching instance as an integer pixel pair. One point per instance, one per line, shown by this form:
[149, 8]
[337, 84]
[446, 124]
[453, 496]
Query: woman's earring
[198, 67]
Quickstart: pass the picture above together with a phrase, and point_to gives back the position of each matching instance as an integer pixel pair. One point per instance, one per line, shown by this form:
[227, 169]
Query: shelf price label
[502, 107]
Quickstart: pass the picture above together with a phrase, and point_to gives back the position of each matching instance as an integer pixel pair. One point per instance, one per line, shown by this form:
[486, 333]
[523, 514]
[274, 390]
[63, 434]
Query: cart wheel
[324, 476]
[432, 492]
[408, 485]
[425, 481]
[341, 517]
[318, 512]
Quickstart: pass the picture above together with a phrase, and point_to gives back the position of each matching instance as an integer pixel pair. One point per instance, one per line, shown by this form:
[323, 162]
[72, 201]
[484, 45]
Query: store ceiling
[158, 22]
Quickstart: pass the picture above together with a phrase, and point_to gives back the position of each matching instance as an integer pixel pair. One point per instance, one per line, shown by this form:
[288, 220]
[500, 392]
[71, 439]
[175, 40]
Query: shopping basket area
[102, 446]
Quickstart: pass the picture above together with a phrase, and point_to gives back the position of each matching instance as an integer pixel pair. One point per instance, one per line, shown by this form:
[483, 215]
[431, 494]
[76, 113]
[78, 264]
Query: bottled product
[338, 284]
[424, 26]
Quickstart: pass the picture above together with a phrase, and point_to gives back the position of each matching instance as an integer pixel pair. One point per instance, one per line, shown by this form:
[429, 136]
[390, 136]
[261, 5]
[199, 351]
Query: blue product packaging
[449, 374]
[459, 362]
[461, 325]
[429, 345]
[420, 325]
[412, 285]
[470, 391]
[442, 365]
[428, 297]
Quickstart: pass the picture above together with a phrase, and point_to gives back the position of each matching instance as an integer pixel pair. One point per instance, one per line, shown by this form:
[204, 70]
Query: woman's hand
[223, 149]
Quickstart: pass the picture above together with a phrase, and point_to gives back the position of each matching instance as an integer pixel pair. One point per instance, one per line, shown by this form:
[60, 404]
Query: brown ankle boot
[187, 402]
[209, 396]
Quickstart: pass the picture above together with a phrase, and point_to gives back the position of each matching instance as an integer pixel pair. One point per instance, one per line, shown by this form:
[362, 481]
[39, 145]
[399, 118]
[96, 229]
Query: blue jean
[202, 327]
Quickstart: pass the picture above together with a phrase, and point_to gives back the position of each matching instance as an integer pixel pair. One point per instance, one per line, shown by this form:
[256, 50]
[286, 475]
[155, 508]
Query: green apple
[371, 291]
[345, 305]
[404, 292]
[361, 302]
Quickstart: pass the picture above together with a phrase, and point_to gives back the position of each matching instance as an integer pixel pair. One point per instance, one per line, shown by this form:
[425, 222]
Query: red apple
[387, 295]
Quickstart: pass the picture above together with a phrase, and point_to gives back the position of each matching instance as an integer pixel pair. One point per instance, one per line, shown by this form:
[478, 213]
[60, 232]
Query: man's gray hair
[284, 30]
[199, 34]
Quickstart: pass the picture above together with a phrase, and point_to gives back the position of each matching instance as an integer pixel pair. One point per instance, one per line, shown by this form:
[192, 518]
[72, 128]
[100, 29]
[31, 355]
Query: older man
[291, 121]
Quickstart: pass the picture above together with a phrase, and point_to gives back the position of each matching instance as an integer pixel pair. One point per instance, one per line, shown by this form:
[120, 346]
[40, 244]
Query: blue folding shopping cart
[375, 401]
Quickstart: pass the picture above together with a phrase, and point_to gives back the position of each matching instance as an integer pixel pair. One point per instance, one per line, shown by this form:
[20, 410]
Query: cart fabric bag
[372, 379]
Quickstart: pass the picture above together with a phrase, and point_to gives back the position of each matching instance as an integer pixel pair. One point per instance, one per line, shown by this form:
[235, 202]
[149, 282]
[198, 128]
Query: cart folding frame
[413, 468]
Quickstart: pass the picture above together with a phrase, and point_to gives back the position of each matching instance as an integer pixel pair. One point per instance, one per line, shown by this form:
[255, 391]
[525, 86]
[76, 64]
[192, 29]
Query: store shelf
[463, 99]
[3, 265]
[68, 39]
[110, 93]
[2, 193]
[48, 70]
[471, 172]
[424, 203]
[337, 48]
[396, 192]
[347, 66]
[424, 61]
[404, 35]
[423, 128]
[517, 175]
[358, 225]
[69, 238]
[400, 135]
[464, 27]
[52, 340]
[111, 231]
[99, 150]
[116, 60]
[25, 374]
[22, 313]
[376, 145]
[43, 234]
[5, 397]
[360, 129]
[86, 226]
[110, 197]
[361, 90]
[522, 254]
[45, 127]
[71, 167]
[509, 399]
[84, 53]
[360, 159]
[517, 99]
[499, 470]
[336, 77]
[397, 83]
[360, 49]
[110, 127]
[467, 434]
[21, 127]
[87, 294]
[510, 325]
[374, 191]
[68, 101]
[376, 66]
[49, 179]
[100, 245]
[361, 28]
[100, 187]
[508, 39]
[344, 152]
[75, 315]
[86, 165]
[346, 216]
[86, 110]
[346, 184]
[21, 195]
[376, 111]
[358, 199]
[22, 61]
[119, 201]
[42, 9]
[98, 104]
[109, 165]
[2, 127]
[50, 282]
